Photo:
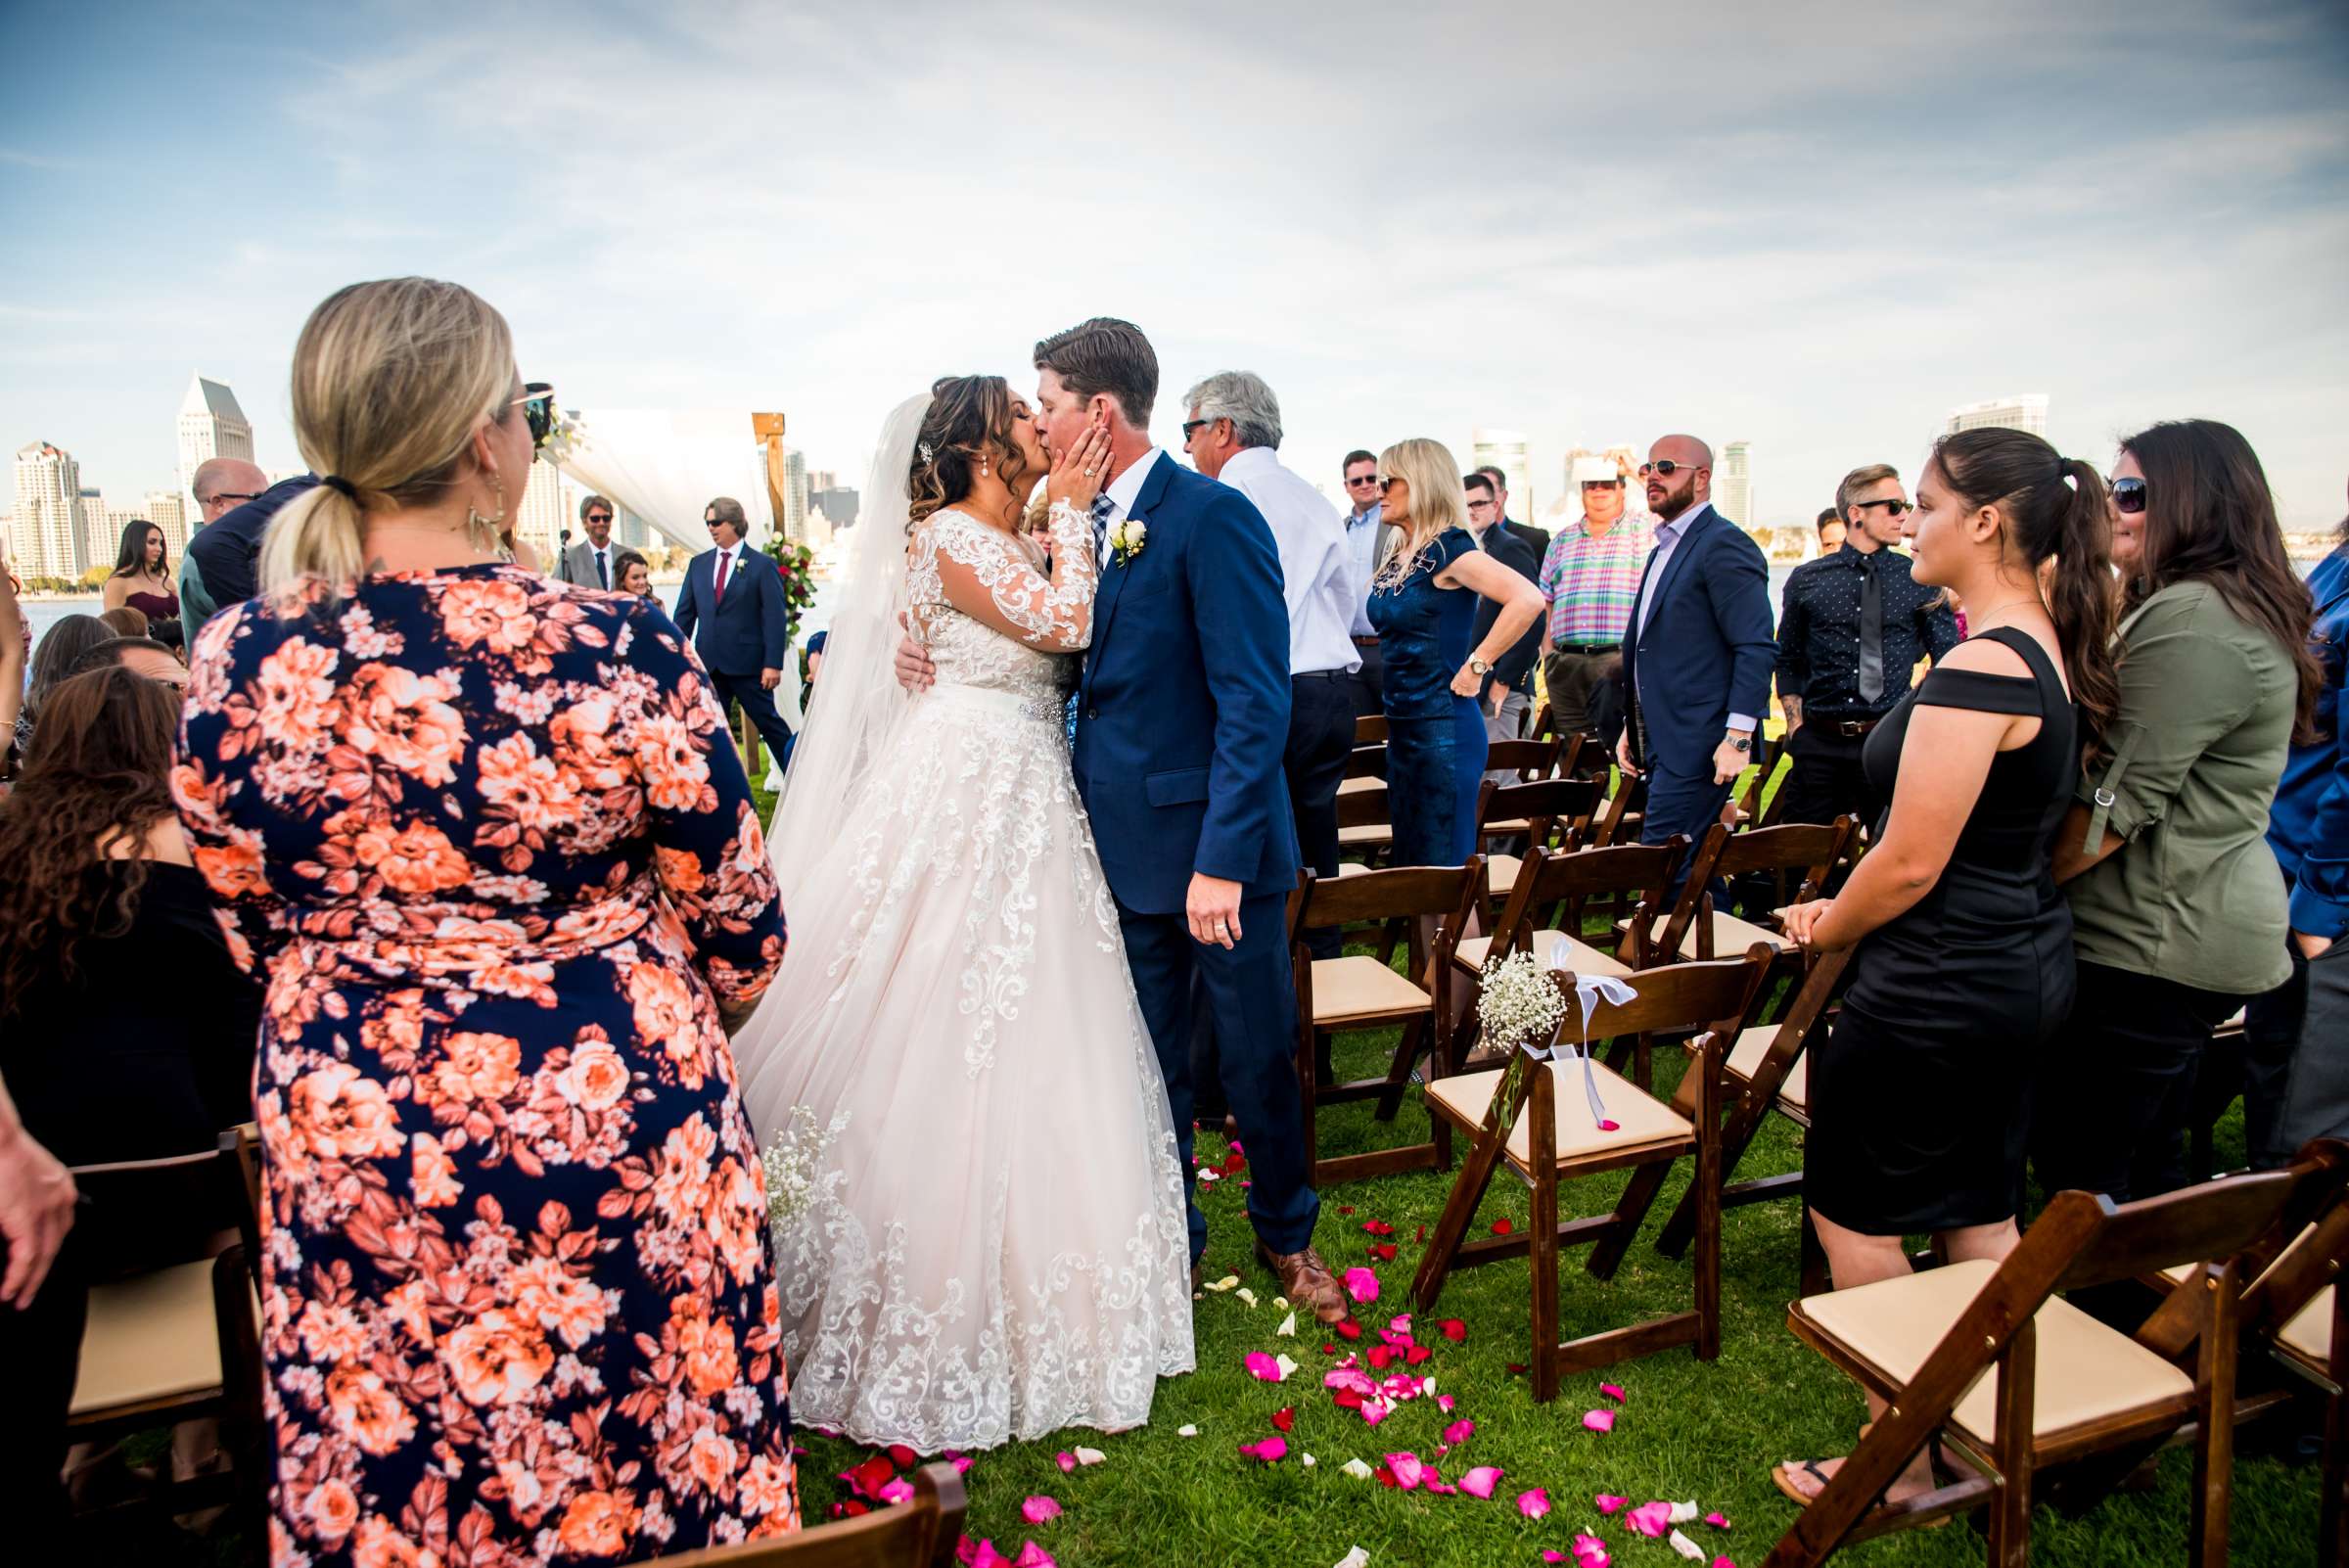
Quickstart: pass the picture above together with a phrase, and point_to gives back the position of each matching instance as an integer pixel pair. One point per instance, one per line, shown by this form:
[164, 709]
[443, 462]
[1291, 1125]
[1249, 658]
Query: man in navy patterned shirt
[1851, 630]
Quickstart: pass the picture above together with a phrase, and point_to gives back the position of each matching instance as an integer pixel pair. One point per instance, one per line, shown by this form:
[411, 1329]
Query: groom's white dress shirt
[1314, 578]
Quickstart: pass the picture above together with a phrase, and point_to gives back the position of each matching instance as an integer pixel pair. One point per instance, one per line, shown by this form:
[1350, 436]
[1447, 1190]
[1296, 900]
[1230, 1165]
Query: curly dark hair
[97, 777]
[969, 420]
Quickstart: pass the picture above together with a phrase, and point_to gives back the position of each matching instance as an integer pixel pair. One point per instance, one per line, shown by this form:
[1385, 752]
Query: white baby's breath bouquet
[793, 1158]
[1520, 1010]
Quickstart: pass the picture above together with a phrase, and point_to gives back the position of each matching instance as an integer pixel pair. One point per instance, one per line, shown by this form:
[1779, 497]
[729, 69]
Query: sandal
[1779, 1477]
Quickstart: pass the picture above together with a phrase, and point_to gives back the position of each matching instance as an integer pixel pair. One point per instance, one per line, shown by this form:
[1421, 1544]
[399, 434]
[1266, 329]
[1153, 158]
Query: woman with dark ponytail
[1920, 1093]
[2177, 901]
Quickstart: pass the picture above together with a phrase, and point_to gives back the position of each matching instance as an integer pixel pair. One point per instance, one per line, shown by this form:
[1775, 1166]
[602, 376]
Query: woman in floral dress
[487, 838]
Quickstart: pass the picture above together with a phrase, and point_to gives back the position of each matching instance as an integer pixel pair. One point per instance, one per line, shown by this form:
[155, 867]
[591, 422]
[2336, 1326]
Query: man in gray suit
[590, 563]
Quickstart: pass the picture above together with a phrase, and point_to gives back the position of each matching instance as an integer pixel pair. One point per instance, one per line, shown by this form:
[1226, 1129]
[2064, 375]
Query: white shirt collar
[1128, 485]
[1250, 458]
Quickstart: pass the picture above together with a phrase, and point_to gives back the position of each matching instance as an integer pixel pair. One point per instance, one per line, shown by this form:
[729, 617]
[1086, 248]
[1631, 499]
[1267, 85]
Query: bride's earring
[985, 465]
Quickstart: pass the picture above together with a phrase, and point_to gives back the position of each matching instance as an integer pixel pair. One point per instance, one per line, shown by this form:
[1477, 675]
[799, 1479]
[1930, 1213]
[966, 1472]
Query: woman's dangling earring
[483, 531]
[985, 465]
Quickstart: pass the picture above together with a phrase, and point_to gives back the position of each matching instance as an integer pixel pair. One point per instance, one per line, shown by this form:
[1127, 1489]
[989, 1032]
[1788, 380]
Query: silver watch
[1477, 667]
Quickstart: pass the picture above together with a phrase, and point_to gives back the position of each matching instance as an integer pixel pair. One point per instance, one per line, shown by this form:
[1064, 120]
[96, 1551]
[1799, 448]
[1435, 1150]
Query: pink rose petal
[1611, 1391]
[1035, 1511]
[1722, 1561]
[1716, 1521]
[1480, 1482]
[1262, 1365]
[1361, 1284]
[1590, 1553]
[896, 1492]
[1033, 1556]
[1444, 1403]
[1460, 1432]
[1533, 1504]
[1407, 1469]
[1271, 1451]
[1608, 1504]
[1600, 1420]
[1650, 1519]
[1553, 1556]
[960, 1461]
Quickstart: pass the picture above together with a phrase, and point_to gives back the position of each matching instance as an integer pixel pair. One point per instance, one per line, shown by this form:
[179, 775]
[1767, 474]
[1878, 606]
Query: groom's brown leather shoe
[1306, 1281]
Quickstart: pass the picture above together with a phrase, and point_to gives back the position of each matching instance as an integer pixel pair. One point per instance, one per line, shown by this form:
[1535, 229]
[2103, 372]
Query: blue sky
[1816, 226]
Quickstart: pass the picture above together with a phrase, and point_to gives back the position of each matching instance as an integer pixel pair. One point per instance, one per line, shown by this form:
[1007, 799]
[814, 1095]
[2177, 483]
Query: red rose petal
[1378, 1228]
[1503, 1225]
[1383, 1252]
[1348, 1328]
[1453, 1329]
[1285, 1418]
[903, 1458]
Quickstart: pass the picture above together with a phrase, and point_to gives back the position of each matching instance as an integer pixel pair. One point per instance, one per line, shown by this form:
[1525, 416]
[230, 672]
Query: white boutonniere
[1126, 537]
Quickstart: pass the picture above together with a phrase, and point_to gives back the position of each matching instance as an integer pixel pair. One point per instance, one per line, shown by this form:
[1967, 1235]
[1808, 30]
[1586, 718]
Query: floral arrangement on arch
[797, 562]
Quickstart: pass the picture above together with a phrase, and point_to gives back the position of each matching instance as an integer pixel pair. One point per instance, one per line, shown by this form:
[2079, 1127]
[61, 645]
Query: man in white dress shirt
[590, 563]
[1231, 434]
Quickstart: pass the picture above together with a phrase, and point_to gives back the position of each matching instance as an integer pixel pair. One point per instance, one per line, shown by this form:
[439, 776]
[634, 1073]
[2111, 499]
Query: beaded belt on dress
[1010, 704]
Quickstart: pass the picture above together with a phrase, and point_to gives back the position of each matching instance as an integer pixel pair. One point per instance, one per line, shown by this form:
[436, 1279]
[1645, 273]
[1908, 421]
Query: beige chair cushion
[2309, 1335]
[1754, 1044]
[1502, 870]
[2084, 1373]
[1353, 786]
[151, 1338]
[1361, 987]
[1583, 958]
[1515, 824]
[1352, 868]
[1641, 1120]
[1366, 833]
[1730, 936]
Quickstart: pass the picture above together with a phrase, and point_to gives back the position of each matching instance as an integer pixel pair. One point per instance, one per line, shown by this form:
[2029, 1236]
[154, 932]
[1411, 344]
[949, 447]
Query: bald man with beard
[1698, 653]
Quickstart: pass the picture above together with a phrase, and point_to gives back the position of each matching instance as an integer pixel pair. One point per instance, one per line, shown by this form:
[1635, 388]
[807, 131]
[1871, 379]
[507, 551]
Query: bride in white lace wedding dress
[983, 1236]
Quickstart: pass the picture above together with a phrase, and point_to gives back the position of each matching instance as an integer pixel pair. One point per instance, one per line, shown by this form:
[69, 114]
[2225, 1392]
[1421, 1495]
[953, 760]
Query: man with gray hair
[733, 608]
[1231, 434]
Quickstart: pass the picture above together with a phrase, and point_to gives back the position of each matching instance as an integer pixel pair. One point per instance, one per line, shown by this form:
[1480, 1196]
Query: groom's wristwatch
[1478, 667]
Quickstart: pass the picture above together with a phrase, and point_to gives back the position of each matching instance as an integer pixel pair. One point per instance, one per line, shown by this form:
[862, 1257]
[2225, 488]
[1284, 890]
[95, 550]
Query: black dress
[1920, 1093]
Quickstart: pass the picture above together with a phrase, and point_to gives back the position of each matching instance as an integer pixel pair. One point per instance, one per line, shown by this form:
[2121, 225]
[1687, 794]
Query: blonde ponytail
[390, 380]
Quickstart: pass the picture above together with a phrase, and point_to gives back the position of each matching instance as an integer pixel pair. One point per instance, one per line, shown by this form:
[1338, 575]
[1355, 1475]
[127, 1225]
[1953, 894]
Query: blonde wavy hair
[391, 381]
[1439, 499]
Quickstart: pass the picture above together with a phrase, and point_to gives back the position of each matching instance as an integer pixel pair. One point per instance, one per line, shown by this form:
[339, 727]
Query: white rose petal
[1357, 1469]
[1683, 1512]
[1091, 1455]
[1685, 1547]
[1287, 1328]
[1186, 1431]
[1246, 1295]
[1357, 1559]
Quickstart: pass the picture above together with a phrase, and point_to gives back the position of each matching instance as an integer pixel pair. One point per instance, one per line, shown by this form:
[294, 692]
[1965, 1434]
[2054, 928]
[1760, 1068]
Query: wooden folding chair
[1549, 1132]
[178, 1340]
[922, 1532]
[1551, 813]
[2295, 1319]
[1371, 730]
[1527, 758]
[1545, 905]
[1991, 1358]
[1364, 824]
[1751, 811]
[1359, 991]
[1696, 930]
[1618, 820]
[1764, 1074]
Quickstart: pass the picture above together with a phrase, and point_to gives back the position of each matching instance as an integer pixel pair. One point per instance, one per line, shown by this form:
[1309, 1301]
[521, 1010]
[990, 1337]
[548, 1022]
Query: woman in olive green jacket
[2177, 906]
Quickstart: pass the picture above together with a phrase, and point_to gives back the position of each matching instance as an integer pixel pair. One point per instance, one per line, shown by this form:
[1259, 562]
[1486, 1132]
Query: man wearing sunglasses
[1853, 626]
[1697, 654]
[590, 565]
[222, 563]
[1369, 541]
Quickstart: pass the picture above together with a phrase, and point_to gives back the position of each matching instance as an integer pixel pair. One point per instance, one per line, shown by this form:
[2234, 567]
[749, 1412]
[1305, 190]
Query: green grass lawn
[1685, 1430]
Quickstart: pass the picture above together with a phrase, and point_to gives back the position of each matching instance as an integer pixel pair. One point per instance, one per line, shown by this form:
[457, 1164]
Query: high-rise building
[822, 479]
[97, 538]
[211, 425]
[1734, 484]
[1504, 450]
[837, 502]
[794, 494]
[167, 512]
[49, 541]
[2029, 412]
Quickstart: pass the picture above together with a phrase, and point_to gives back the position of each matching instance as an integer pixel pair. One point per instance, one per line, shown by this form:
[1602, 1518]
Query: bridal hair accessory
[927, 454]
[341, 485]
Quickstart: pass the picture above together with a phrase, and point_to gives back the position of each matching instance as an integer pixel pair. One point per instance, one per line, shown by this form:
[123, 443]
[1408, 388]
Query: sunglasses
[1191, 427]
[1363, 479]
[2129, 495]
[1390, 480]
[1896, 507]
[1663, 468]
[238, 496]
[537, 401]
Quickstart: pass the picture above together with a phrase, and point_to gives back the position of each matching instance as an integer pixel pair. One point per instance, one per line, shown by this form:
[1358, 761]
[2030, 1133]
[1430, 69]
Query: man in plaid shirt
[1591, 577]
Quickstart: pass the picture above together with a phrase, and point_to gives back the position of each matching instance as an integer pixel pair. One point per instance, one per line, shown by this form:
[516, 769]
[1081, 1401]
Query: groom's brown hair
[1105, 355]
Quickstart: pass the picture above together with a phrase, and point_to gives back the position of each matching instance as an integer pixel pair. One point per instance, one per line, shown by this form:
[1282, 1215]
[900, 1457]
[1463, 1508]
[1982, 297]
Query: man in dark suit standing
[1539, 538]
[733, 609]
[1698, 653]
[1510, 690]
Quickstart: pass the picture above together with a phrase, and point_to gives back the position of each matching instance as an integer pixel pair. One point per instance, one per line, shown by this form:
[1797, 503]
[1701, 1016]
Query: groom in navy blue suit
[1182, 718]
[732, 607]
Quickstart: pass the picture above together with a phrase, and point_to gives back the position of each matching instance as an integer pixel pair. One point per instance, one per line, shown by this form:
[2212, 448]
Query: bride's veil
[857, 698]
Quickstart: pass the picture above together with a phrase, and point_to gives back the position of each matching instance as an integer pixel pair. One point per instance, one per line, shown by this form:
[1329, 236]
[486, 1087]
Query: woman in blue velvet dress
[1423, 602]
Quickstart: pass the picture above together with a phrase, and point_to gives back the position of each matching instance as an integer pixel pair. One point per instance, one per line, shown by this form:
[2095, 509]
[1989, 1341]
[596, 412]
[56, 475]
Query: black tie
[1872, 632]
[602, 578]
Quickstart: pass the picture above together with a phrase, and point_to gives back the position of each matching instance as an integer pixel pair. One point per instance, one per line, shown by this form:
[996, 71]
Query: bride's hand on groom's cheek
[915, 671]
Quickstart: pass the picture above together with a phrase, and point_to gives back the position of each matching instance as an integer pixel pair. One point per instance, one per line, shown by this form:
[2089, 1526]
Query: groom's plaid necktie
[1102, 506]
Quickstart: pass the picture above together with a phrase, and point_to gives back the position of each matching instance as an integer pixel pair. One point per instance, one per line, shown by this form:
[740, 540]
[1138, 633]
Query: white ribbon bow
[1589, 992]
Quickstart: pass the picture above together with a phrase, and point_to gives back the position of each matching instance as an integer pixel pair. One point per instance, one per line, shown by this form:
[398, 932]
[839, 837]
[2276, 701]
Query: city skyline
[1824, 274]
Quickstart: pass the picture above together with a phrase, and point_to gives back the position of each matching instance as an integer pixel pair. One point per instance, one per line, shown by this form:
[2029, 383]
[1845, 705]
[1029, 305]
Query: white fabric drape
[664, 464]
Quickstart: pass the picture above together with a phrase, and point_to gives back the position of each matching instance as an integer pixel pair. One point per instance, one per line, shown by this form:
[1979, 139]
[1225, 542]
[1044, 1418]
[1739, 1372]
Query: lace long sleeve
[984, 573]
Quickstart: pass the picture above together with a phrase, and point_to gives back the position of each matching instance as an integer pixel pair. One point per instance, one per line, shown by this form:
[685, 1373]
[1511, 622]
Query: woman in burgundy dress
[487, 838]
[142, 579]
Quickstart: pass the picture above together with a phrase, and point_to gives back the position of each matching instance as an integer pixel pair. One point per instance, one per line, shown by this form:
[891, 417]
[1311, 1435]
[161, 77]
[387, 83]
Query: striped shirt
[1592, 581]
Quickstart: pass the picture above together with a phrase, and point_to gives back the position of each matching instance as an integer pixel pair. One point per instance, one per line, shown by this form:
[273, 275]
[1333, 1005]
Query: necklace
[1978, 622]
